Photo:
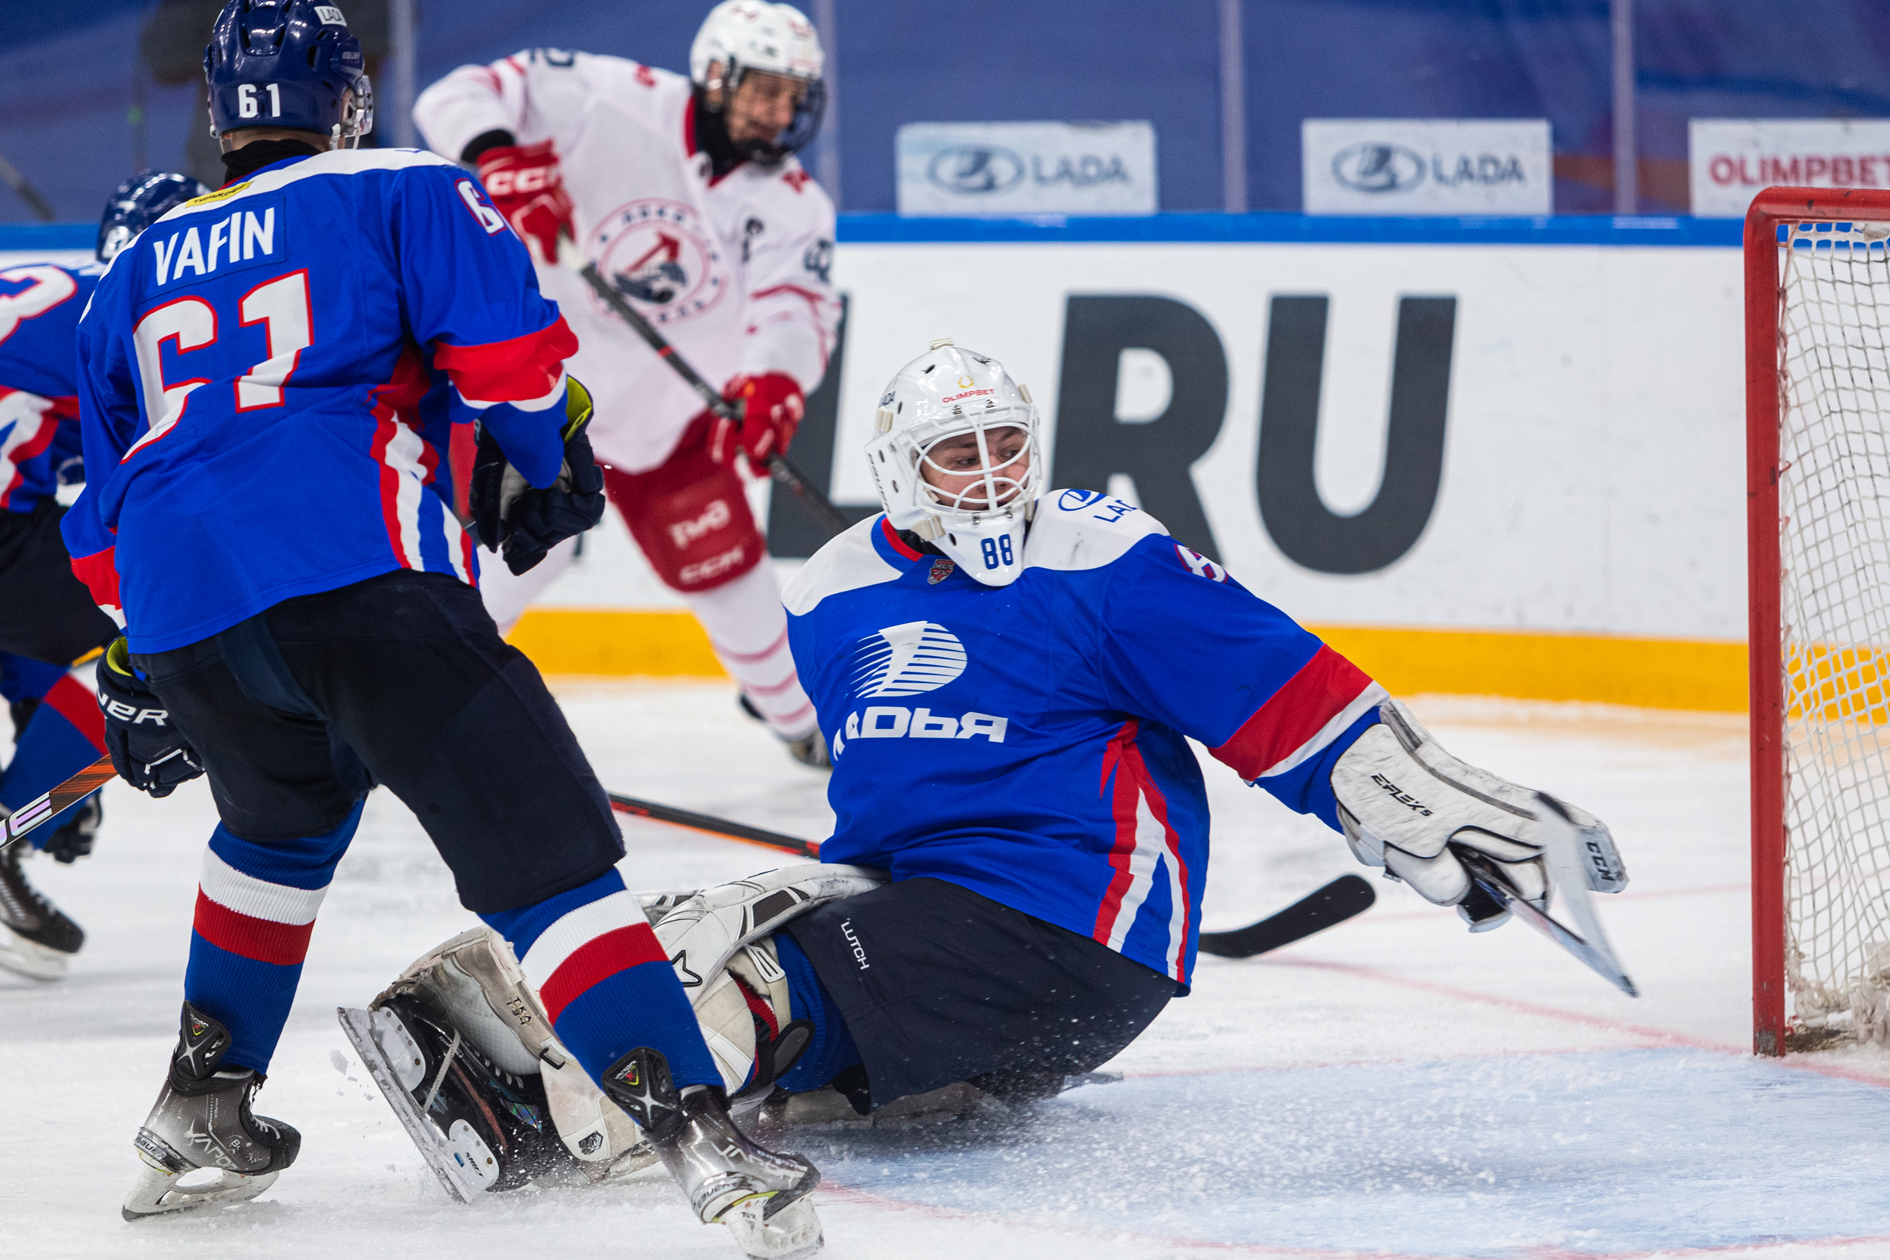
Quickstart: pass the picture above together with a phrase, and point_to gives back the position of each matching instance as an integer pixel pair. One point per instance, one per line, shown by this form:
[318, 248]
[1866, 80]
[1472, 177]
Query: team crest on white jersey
[662, 257]
[906, 660]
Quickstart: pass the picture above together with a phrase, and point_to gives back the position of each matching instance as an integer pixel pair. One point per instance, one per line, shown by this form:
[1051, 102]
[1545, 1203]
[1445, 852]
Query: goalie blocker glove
[1408, 806]
[147, 749]
[523, 523]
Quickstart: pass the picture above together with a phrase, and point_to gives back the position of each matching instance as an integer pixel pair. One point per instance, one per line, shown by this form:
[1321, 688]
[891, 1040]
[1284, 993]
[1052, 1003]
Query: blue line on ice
[1598, 1153]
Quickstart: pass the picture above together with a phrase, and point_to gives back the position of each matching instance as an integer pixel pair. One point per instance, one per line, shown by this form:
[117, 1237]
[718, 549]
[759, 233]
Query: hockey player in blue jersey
[47, 620]
[266, 376]
[1008, 678]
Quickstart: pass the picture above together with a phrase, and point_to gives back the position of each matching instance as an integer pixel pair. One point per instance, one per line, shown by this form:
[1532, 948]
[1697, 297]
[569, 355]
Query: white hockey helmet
[949, 392]
[743, 35]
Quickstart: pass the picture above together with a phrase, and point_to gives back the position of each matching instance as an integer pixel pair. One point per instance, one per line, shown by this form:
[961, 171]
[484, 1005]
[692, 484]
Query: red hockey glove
[773, 413]
[527, 187]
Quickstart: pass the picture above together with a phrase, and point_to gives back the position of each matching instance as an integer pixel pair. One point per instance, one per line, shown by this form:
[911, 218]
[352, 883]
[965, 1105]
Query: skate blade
[159, 1191]
[459, 1171]
[793, 1231]
[29, 958]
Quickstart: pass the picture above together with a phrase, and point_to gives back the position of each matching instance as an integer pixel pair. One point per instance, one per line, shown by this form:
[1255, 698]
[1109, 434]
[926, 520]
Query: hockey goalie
[1008, 678]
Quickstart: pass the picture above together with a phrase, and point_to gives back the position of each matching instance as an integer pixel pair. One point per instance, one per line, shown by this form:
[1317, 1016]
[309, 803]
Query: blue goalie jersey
[1028, 742]
[40, 305]
[269, 376]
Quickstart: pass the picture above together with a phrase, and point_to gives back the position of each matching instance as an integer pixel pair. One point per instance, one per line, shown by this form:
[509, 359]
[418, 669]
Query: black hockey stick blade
[714, 826]
[1562, 848]
[1338, 901]
[784, 474]
[49, 806]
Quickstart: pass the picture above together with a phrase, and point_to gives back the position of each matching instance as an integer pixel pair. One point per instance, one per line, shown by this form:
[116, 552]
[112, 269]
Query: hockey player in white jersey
[687, 195]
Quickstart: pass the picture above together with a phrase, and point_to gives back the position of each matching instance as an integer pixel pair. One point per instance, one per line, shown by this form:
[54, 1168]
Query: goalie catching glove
[522, 522]
[1412, 808]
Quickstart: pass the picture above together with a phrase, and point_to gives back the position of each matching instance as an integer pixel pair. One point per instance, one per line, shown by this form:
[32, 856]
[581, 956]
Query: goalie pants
[938, 984]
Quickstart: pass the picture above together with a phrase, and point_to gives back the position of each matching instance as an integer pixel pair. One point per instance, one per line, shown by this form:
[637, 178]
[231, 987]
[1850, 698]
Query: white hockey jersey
[733, 271]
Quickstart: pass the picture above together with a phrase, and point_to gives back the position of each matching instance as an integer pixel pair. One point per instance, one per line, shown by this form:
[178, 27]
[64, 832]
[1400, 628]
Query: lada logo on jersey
[906, 660]
[662, 257]
[243, 238]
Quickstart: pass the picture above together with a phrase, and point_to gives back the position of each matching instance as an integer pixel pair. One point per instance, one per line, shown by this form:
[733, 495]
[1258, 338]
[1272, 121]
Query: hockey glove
[1412, 808]
[527, 187]
[523, 523]
[147, 749]
[772, 407]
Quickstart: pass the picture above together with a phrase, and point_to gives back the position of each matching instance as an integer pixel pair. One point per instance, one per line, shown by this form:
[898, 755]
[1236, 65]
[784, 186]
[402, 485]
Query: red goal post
[1818, 536]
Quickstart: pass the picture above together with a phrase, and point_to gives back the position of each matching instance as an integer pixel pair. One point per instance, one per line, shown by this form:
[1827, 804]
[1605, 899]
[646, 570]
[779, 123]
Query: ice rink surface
[1394, 1087]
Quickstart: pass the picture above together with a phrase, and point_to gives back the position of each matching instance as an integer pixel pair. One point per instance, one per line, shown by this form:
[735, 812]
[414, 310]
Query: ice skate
[36, 939]
[479, 1126]
[202, 1123]
[759, 1194]
[809, 749]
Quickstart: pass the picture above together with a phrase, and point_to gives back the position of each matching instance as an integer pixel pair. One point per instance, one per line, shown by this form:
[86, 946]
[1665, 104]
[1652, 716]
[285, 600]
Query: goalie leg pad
[475, 978]
[717, 942]
[1406, 805]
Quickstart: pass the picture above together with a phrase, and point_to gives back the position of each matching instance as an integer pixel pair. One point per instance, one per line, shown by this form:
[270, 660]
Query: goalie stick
[54, 802]
[713, 825]
[1335, 903]
[1338, 901]
[783, 473]
[1567, 857]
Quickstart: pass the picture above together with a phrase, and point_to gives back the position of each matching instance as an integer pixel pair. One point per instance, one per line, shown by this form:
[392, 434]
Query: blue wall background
[68, 76]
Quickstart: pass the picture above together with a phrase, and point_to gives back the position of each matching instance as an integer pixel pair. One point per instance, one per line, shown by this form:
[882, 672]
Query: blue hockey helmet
[138, 203]
[287, 63]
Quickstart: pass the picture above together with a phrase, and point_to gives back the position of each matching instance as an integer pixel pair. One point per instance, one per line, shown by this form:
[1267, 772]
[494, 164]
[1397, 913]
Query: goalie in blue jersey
[1008, 678]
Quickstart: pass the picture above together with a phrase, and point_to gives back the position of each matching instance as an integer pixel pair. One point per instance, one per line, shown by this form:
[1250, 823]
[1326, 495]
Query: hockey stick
[713, 826]
[783, 473]
[55, 802]
[1335, 903]
[1567, 858]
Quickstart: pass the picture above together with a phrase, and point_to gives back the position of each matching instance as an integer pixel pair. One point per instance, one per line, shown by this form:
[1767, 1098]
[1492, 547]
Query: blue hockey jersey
[265, 388]
[1027, 741]
[40, 304]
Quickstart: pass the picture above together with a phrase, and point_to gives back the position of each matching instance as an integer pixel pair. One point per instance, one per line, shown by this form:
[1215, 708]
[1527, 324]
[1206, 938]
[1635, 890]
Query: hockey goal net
[1818, 493]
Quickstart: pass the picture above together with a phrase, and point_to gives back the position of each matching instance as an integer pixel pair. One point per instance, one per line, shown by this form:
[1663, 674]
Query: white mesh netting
[1834, 500]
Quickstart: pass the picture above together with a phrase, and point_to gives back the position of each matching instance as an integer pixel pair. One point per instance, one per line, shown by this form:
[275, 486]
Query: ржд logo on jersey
[907, 659]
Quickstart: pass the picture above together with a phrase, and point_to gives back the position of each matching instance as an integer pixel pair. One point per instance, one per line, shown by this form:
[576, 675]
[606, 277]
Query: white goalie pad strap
[1403, 799]
[702, 934]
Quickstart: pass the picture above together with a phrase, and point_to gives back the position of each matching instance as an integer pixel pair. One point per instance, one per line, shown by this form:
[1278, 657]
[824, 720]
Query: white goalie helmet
[978, 510]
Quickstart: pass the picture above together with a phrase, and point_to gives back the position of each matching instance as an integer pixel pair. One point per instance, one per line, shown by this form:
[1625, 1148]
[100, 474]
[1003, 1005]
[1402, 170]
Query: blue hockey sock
[832, 1050]
[65, 735]
[256, 906]
[605, 981]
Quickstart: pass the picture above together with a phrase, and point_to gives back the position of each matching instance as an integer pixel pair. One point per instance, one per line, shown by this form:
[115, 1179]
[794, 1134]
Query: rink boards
[1491, 456]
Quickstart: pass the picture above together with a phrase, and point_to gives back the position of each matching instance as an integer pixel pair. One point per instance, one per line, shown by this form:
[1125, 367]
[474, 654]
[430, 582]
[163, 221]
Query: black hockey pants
[45, 612]
[939, 984]
[405, 678]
